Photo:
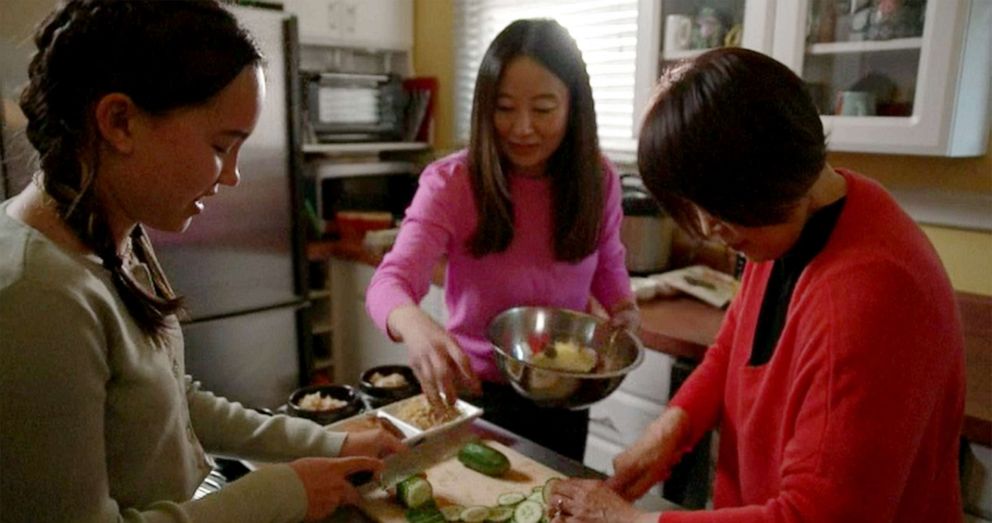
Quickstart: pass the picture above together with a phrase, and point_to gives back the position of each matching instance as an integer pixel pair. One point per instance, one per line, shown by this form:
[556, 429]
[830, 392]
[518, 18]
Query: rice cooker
[646, 230]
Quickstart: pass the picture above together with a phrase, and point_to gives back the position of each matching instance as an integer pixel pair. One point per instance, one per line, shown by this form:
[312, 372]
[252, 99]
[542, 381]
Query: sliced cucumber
[483, 458]
[538, 488]
[537, 496]
[475, 514]
[511, 498]
[426, 513]
[546, 490]
[528, 512]
[414, 491]
[500, 514]
[452, 512]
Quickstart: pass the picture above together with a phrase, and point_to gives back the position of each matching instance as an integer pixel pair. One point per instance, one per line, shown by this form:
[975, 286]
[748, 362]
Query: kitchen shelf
[362, 147]
[318, 294]
[899, 44]
[321, 328]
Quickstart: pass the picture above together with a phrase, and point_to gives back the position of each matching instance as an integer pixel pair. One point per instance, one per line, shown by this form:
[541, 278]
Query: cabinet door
[893, 76]
[375, 24]
[673, 30]
[622, 418]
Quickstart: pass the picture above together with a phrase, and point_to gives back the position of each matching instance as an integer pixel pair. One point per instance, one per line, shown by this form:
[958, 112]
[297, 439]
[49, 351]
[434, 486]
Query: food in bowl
[566, 356]
[419, 413]
[315, 401]
[389, 381]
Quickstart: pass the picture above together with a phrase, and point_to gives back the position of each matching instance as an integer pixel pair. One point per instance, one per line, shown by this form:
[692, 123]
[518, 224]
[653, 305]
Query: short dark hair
[575, 168]
[164, 55]
[734, 132]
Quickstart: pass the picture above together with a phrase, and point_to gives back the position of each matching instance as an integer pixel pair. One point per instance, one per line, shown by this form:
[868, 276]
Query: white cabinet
[373, 24]
[913, 79]
[358, 343]
[889, 76]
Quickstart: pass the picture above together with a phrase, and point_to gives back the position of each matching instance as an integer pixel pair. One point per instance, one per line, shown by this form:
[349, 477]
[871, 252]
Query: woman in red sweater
[837, 377]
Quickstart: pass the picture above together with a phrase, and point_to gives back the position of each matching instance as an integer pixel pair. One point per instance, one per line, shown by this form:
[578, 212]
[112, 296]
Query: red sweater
[857, 416]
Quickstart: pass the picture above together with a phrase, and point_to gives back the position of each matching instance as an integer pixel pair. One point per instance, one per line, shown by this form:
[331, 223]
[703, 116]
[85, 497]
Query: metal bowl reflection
[513, 331]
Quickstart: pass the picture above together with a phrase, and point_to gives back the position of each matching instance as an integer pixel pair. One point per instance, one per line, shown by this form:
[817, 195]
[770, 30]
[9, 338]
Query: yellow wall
[967, 255]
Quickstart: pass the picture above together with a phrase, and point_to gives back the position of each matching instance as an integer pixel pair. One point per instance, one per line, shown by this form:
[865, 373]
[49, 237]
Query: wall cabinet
[373, 24]
[888, 76]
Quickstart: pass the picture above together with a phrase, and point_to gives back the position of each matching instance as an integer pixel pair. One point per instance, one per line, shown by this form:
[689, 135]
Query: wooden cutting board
[454, 483]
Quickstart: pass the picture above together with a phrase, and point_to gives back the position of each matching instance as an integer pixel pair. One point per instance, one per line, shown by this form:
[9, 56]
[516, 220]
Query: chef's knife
[421, 456]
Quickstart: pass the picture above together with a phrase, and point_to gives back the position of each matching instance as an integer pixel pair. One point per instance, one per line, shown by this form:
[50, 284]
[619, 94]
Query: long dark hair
[163, 55]
[575, 168]
[734, 132]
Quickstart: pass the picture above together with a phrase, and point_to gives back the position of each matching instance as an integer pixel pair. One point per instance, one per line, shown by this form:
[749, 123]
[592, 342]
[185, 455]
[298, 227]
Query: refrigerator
[241, 264]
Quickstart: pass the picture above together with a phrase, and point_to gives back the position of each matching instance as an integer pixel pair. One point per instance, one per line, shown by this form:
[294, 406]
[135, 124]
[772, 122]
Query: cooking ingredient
[419, 413]
[546, 491]
[389, 381]
[426, 513]
[510, 498]
[452, 512]
[484, 459]
[316, 401]
[528, 512]
[567, 356]
[500, 514]
[475, 514]
[414, 491]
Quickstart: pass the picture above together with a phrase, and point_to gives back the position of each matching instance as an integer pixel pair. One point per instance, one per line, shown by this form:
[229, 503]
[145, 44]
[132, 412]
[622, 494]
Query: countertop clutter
[684, 327]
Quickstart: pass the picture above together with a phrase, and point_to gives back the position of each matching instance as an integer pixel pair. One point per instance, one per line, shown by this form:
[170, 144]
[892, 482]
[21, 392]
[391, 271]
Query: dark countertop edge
[974, 311]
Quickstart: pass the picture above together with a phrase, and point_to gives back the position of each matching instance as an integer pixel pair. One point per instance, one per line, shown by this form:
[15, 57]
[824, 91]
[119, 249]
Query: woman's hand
[590, 501]
[650, 459]
[436, 358]
[377, 443]
[626, 315]
[326, 484]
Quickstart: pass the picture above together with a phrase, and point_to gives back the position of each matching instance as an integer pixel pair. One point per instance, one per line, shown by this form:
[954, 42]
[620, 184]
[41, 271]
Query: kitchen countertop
[685, 327]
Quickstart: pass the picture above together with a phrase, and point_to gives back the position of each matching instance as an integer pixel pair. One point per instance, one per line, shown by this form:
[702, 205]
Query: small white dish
[414, 434]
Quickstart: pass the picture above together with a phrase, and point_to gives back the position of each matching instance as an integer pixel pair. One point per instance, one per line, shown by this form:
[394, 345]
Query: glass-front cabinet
[888, 76]
[893, 76]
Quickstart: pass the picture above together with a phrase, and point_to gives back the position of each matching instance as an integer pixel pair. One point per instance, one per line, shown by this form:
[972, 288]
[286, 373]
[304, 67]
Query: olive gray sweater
[98, 423]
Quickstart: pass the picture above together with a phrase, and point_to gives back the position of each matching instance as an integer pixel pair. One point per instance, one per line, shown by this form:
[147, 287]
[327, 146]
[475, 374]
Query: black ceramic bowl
[378, 396]
[340, 392]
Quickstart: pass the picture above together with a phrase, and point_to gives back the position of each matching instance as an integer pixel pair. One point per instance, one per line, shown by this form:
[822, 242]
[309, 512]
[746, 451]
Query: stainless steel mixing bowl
[617, 353]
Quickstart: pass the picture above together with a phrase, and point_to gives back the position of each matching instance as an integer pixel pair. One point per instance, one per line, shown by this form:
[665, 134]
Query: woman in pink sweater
[837, 377]
[528, 215]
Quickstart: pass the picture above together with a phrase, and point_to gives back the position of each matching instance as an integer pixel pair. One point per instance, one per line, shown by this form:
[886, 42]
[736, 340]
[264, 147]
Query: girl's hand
[436, 358]
[651, 458]
[326, 484]
[377, 443]
[589, 501]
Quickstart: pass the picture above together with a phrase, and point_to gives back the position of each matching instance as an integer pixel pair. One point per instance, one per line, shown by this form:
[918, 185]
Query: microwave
[352, 107]
[374, 186]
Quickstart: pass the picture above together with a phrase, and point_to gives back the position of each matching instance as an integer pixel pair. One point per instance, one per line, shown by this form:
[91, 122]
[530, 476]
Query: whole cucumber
[483, 458]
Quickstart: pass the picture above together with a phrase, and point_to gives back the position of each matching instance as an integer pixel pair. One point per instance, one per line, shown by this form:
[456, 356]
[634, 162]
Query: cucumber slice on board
[528, 512]
[414, 491]
[511, 498]
[546, 491]
[475, 514]
[452, 512]
[537, 496]
[500, 514]
[426, 513]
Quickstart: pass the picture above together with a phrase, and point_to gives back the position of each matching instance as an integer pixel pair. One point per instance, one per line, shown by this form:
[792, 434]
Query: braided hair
[164, 55]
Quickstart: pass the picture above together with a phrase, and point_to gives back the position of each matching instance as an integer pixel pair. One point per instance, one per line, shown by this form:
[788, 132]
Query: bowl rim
[364, 383]
[612, 374]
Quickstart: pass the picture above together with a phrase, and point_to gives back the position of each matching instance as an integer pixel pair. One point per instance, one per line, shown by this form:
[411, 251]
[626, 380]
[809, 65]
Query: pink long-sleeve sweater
[442, 217]
[857, 416]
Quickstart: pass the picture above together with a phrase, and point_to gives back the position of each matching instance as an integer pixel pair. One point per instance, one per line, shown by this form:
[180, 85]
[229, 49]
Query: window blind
[606, 33]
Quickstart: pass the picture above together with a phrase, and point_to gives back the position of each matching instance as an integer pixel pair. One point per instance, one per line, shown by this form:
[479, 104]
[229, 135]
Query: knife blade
[421, 456]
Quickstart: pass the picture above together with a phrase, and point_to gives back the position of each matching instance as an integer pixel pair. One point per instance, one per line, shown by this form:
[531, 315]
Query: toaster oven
[351, 107]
